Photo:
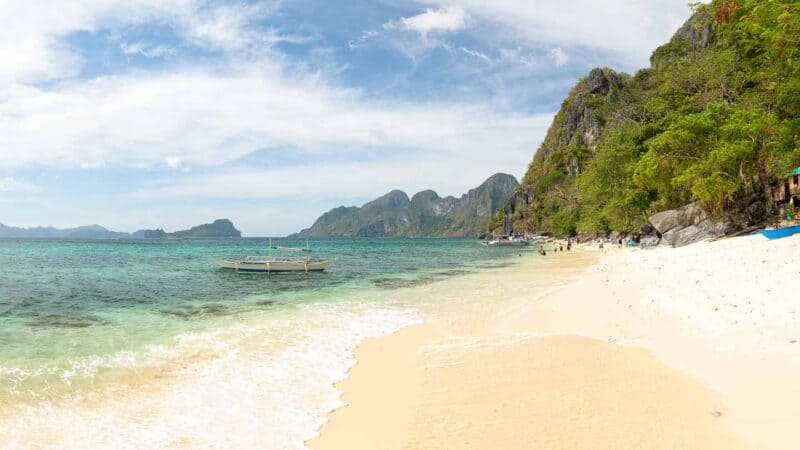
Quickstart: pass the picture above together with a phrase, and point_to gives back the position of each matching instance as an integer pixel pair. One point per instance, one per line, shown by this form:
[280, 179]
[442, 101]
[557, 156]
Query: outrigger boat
[507, 241]
[269, 264]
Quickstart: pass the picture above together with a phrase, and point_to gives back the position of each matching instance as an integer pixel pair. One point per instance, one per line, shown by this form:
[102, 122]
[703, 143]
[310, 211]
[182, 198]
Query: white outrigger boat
[507, 241]
[269, 264]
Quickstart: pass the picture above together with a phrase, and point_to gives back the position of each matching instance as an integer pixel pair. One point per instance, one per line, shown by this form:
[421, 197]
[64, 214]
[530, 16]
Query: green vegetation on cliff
[425, 214]
[715, 120]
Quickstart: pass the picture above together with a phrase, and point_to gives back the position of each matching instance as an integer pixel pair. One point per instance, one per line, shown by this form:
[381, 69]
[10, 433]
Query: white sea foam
[264, 383]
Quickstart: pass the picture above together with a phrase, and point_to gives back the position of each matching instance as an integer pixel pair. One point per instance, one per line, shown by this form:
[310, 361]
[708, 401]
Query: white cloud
[173, 162]
[629, 29]
[443, 20]
[558, 56]
[226, 27]
[31, 32]
[518, 56]
[477, 54]
[91, 164]
[208, 118]
[362, 40]
[146, 50]
[11, 184]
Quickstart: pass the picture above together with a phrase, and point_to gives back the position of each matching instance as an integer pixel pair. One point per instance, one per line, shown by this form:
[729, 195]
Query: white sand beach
[696, 347]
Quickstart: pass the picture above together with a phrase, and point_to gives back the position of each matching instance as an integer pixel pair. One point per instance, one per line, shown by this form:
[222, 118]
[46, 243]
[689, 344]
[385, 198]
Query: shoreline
[264, 373]
[481, 371]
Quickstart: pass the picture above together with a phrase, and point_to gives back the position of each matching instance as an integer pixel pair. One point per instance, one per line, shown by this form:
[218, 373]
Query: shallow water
[152, 334]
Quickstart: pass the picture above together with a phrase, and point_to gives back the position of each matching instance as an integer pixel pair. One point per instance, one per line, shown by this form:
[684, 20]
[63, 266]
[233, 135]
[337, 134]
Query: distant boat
[277, 264]
[506, 241]
[780, 232]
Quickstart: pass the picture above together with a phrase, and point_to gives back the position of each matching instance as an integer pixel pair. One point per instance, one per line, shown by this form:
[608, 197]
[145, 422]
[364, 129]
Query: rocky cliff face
[425, 214]
[569, 144]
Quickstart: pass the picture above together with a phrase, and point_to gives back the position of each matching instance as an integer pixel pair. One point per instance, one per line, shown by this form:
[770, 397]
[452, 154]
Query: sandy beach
[696, 347]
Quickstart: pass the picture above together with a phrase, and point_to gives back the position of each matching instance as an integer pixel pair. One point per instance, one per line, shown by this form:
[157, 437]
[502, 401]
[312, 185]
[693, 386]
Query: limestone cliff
[569, 144]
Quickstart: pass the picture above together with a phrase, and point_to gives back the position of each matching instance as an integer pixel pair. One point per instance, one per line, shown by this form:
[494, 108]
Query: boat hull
[274, 266]
[780, 232]
[505, 244]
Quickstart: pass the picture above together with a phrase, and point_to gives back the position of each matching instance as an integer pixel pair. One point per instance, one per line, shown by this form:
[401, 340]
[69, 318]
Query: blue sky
[170, 113]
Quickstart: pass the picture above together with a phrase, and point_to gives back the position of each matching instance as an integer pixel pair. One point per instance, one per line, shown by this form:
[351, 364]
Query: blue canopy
[796, 171]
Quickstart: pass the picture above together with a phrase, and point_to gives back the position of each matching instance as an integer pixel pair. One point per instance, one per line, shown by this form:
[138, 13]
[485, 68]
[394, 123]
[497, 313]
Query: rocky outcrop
[682, 217]
[697, 32]
[707, 229]
[220, 228]
[580, 120]
[425, 214]
[568, 146]
[649, 242]
[689, 224]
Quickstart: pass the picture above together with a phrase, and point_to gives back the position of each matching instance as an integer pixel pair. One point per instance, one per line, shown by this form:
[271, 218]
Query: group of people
[556, 248]
[630, 242]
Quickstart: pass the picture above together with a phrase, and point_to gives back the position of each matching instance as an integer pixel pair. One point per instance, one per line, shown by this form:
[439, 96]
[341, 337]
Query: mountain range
[219, 228]
[424, 214]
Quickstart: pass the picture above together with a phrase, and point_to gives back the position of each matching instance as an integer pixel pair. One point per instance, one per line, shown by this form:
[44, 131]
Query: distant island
[219, 228]
[423, 215]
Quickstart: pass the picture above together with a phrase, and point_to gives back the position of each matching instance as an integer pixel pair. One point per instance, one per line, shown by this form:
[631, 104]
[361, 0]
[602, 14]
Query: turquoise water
[72, 311]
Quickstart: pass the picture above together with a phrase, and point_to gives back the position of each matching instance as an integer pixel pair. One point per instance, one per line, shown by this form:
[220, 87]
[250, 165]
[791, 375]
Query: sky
[171, 113]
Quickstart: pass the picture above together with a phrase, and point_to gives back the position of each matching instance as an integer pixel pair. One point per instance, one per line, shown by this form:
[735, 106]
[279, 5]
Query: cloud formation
[629, 30]
[32, 32]
[442, 20]
[209, 118]
[146, 50]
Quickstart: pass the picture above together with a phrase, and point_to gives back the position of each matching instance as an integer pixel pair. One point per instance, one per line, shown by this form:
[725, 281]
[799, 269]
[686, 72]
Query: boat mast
[270, 247]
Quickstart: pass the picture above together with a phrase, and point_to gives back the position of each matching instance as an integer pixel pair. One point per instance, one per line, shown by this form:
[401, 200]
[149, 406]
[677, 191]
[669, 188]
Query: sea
[147, 344]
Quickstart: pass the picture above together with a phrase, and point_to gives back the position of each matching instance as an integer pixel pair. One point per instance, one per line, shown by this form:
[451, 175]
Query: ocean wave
[267, 382]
